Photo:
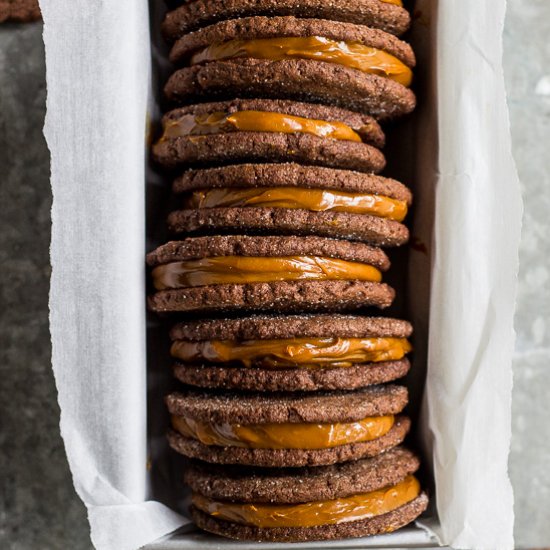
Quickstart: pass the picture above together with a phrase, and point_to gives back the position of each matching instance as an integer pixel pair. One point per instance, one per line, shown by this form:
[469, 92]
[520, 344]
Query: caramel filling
[252, 269]
[293, 352]
[349, 54]
[396, 2]
[285, 435]
[311, 514]
[255, 121]
[317, 200]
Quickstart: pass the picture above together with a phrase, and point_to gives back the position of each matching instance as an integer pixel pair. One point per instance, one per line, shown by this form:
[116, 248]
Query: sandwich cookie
[355, 499]
[314, 60]
[279, 274]
[389, 16]
[269, 131]
[292, 199]
[287, 430]
[291, 353]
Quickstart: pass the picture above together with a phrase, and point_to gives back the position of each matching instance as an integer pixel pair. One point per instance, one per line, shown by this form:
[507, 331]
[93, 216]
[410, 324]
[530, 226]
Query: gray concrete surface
[527, 67]
[38, 507]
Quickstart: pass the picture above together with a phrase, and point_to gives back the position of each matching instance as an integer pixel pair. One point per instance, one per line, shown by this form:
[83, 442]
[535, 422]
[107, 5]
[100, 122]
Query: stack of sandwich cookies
[324, 465]
[291, 352]
[314, 60]
[353, 499]
[289, 416]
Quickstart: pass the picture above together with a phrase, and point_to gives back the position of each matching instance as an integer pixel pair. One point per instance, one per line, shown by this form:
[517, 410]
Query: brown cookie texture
[296, 485]
[270, 327]
[372, 13]
[290, 175]
[297, 79]
[235, 147]
[278, 297]
[366, 126]
[376, 525]
[251, 28]
[277, 380]
[258, 408]
[21, 11]
[287, 221]
[272, 246]
[290, 458]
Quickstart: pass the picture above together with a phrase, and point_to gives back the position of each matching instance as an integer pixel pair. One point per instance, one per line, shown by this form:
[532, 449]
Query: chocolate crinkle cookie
[22, 11]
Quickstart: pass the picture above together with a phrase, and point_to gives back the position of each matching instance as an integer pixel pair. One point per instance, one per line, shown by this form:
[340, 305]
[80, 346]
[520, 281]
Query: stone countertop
[38, 505]
[527, 70]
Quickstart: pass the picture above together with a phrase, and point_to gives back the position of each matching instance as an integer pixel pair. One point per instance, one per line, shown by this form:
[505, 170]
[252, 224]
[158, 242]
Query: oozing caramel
[255, 121]
[285, 435]
[293, 352]
[396, 2]
[349, 54]
[317, 200]
[252, 269]
[311, 514]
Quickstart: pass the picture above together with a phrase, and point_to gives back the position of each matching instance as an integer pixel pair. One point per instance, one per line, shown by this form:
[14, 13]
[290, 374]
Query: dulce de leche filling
[349, 54]
[317, 200]
[252, 269]
[255, 121]
[285, 435]
[396, 2]
[311, 514]
[293, 352]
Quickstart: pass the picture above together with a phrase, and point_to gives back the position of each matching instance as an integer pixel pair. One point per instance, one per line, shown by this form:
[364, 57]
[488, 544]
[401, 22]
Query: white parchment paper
[474, 261]
[98, 72]
[462, 269]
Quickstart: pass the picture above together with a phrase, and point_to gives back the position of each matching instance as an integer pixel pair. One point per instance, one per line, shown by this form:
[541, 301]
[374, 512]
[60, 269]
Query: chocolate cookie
[221, 273]
[268, 327]
[376, 525]
[278, 458]
[372, 13]
[363, 497]
[350, 378]
[307, 59]
[262, 485]
[290, 175]
[294, 79]
[269, 131]
[293, 199]
[287, 430]
[281, 221]
[291, 353]
[257, 28]
[257, 408]
[22, 11]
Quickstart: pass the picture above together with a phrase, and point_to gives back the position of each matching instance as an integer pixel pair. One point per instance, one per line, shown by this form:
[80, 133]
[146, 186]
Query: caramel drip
[255, 121]
[311, 514]
[349, 54]
[317, 200]
[285, 435]
[293, 352]
[251, 269]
